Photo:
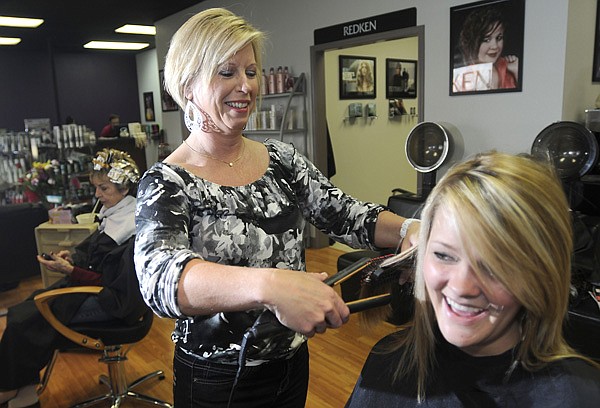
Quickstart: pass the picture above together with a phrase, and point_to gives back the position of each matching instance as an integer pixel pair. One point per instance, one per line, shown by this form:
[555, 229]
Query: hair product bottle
[287, 76]
[264, 86]
[280, 80]
[271, 81]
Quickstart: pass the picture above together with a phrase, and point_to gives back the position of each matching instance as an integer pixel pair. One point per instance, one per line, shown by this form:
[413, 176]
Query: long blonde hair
[513, 209]
[203, 43]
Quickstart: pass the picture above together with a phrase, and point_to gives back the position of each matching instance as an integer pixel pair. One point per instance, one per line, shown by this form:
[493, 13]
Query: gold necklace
[205, 154]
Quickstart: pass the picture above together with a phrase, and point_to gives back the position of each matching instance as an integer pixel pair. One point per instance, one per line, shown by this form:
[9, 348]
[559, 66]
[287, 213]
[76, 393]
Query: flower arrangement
[43, 178]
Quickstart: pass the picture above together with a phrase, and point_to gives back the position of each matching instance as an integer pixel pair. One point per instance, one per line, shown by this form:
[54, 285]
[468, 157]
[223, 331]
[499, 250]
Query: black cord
[241, 363]
[266, 325]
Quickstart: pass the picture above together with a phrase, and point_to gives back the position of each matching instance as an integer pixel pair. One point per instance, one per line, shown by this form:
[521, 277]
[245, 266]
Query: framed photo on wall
[357, 77]
[149, 107]
[167, 102]
[596, 67]
[486, 47]
[400, 78]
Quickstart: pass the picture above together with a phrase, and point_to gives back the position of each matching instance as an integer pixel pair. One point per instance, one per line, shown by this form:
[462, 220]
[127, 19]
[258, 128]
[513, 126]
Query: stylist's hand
[60, 262]
[303, 303]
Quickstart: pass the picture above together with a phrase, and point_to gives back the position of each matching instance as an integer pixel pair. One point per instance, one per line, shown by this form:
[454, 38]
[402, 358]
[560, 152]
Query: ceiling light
[20, 22]
[136, 29]
[9, 41]
[115, 45]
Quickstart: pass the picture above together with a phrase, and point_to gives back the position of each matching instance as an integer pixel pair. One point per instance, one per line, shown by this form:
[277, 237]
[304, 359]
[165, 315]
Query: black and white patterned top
[180, 217]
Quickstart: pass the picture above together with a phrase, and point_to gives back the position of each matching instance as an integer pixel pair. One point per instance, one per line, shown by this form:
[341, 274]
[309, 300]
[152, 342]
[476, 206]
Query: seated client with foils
[103, 259]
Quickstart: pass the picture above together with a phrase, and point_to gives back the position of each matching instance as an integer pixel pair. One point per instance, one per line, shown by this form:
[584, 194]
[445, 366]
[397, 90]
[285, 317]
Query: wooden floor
[336, 356]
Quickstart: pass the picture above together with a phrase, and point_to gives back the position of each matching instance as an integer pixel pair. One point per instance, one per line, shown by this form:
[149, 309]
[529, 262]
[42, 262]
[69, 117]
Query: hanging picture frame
[167, 102]
[596, 63]
[486, 47]
[149, 107]
[400, 78]
[357, 77]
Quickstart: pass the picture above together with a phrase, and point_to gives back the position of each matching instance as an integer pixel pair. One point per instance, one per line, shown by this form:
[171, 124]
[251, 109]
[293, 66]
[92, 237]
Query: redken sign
[377, 24]
[360, 28]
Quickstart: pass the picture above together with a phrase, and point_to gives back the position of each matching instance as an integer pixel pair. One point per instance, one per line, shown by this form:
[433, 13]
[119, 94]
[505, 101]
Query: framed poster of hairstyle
[167, 102]
[357, 77]
[149, 106]
[400, 78]
[486, 47]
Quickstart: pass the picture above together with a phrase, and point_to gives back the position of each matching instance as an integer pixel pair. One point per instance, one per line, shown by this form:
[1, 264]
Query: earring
[198, 120]
[192, 117]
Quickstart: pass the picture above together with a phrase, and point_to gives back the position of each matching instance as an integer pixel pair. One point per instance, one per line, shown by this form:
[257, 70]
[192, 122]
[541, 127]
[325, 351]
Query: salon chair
[582, 326]
[112, 338]
[574, 150]
[407, 205]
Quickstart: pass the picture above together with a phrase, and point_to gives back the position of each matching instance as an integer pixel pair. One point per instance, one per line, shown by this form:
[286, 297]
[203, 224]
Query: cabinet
[58, 237]
[290, 120]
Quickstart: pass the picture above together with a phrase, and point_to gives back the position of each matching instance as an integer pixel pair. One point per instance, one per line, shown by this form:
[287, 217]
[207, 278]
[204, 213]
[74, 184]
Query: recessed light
[136, 29]
[9, 41]
[115, 45]
[20, 22]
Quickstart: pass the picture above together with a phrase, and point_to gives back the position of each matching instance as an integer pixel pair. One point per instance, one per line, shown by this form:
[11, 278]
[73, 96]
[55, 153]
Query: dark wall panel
[26, 89]
[89, 87]
[93, 87]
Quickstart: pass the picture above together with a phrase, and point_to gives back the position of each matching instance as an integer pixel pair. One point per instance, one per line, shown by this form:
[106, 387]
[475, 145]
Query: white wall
[147, 73]
[504, 121]
[507, 121]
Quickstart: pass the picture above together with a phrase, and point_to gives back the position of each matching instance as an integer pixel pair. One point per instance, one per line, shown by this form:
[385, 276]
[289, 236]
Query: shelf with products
[38, 163]
[286, 120]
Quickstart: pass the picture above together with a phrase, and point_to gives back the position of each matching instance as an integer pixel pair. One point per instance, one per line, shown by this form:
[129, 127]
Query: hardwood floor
[336, 358]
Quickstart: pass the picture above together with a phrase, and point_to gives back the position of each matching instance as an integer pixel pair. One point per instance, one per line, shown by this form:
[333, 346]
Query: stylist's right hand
[303, 303]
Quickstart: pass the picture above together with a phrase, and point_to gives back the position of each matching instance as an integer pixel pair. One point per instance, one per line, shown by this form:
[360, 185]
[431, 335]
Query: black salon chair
[401, 202]
[574, 150]
[582, 327]
[407, 205]
[108, 337]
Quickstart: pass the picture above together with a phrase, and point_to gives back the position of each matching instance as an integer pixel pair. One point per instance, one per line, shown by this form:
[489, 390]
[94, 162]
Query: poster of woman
[357, 77]
[486, 47]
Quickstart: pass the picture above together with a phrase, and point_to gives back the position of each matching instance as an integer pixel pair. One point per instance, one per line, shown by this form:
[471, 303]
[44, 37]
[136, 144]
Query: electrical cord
[267, 325]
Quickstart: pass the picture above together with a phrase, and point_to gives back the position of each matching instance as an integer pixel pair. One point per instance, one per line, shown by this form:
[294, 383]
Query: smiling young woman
[492, 288]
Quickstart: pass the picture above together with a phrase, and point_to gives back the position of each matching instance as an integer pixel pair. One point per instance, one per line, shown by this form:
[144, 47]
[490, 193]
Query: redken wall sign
[371, 25]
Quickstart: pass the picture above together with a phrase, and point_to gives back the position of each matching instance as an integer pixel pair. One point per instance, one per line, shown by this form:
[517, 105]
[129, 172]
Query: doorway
[368, 150]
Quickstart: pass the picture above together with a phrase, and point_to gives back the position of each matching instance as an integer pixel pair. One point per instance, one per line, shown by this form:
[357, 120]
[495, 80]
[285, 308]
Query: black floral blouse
[180, 217]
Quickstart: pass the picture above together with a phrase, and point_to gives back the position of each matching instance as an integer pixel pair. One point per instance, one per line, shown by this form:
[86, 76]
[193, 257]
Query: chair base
[117, 398]
[119, 390]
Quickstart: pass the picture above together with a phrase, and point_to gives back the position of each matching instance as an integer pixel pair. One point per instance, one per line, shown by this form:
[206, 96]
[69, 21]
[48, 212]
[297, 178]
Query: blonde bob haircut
[202, 44]
[513, 219]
